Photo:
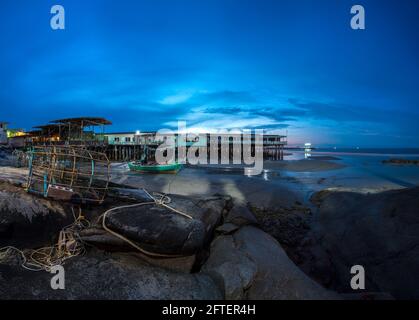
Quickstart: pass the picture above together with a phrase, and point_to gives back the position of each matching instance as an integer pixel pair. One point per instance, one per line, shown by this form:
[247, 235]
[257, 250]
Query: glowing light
[14, 133]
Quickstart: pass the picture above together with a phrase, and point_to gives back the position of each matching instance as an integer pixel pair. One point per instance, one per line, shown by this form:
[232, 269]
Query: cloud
[177, 98]
[228, 97]
[209, 122]
[227, 109]
[338, 112]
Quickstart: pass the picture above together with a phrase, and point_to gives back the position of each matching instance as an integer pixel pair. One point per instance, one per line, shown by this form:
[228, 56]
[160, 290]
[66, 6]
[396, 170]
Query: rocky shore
[220, 253]
[376, 230]
[379, 231]
[241, 238]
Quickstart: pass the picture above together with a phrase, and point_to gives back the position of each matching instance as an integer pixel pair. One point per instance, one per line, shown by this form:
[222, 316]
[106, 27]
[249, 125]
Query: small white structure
[3, 133]
[307, 150]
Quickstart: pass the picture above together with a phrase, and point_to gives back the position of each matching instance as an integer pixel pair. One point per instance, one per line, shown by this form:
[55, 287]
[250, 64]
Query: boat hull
[164, 168]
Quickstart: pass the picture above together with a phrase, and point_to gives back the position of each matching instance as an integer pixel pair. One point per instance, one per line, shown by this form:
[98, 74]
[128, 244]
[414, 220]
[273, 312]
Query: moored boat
[154, 168]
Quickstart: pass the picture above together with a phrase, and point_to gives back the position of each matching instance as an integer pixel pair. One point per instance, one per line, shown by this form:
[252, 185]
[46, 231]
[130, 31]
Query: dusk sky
[293, 66]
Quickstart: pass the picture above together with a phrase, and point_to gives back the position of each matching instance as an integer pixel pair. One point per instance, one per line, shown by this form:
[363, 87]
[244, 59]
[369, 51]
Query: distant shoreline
[358, 153]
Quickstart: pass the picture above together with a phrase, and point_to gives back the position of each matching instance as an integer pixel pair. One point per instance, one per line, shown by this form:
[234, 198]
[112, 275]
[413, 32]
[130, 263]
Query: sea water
[364, 169]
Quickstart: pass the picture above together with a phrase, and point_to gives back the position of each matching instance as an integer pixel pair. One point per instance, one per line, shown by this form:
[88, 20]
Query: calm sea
[386, 151]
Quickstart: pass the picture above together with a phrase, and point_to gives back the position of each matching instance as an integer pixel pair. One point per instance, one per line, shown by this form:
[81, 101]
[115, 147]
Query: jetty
[90, 133]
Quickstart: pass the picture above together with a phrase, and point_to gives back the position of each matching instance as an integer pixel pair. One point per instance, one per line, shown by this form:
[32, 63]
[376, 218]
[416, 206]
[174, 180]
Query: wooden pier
[129, 146]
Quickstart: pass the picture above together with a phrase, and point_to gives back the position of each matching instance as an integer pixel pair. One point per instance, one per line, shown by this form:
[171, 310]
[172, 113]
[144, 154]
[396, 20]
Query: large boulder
[98, 275]
[379, 231]
[24, 216]
[250, 264]
[159, 229]
[288, 225]
[104, 240]
[240, 215]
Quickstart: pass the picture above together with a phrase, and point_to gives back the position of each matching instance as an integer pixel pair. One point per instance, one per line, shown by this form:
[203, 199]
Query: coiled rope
[68, 246]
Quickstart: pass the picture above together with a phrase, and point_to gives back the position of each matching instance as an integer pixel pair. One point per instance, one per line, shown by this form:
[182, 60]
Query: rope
[68, 246]
[163, 201]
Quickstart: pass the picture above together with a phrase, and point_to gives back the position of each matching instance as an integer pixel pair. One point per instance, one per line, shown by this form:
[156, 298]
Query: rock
[227, 228]
[25, 216]
[378, 231]
[367, 296]
[159, 229]
[104, 240]
[231, 269]
[184, 264]
[401, 161]
[250, 264]
[129, 193]
[240, 215]
[106, 276]
[288, 225]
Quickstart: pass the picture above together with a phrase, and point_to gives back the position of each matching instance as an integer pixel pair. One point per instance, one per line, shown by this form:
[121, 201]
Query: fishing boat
[154, 168]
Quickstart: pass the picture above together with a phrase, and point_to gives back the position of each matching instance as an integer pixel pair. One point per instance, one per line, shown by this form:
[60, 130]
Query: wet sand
[312, 165]
[281, 182]
[269, 189]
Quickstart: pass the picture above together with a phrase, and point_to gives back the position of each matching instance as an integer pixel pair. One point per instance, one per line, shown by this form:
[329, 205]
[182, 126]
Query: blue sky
[289, 66]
